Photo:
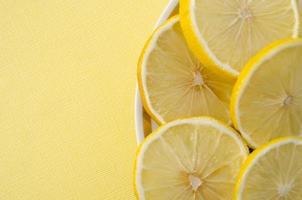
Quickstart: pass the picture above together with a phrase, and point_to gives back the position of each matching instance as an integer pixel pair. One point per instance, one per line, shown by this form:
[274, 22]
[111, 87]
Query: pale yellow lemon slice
[272, 172]
[196, 158]
[267, 97]
[174, 84]
[225, 34]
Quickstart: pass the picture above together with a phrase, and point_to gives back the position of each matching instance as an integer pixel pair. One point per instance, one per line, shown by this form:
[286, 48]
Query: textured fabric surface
[67, 85]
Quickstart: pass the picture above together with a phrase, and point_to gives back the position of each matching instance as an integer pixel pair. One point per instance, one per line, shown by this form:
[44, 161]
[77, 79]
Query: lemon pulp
[195, 158]
[273, 172]
[267, 98]
[174, 84]
[225, 34]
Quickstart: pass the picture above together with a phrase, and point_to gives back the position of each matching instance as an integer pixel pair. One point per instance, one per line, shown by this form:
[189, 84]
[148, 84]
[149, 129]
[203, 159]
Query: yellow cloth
[67, 84]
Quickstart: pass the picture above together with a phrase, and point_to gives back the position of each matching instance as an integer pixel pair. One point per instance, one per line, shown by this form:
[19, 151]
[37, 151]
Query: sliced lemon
[272, 172]
[197, 158]
[225, 34]
[174, 84]
[267, 97]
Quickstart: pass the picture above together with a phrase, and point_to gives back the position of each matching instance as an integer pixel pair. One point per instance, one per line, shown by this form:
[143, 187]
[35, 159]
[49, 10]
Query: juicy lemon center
[195, 182]
[245, 13]
[284, 190]
[287, 100]
[198, 79]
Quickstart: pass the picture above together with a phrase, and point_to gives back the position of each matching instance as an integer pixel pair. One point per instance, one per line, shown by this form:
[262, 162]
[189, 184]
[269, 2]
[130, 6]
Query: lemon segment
[196, 158]
[267, 97]
[272, 172]
[174, 84]
[225, 34]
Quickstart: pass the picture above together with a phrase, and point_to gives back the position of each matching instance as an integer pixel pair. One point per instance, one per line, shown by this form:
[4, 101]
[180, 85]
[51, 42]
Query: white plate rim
[138, 107]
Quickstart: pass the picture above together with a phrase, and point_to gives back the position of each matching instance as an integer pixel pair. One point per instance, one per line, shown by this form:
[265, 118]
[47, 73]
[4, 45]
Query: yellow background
[67, 84]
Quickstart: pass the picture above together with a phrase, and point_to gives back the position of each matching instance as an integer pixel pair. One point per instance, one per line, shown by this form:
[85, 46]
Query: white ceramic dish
[141, 131]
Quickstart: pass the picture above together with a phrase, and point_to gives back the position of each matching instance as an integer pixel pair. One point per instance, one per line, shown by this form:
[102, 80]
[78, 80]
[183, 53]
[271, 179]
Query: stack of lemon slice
[222, 76]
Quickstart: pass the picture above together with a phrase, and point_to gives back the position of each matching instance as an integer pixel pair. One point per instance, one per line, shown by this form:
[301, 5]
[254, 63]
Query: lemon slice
[267, 97]
[225, 34]
[272, 172]
[174, 84]
[197, 158]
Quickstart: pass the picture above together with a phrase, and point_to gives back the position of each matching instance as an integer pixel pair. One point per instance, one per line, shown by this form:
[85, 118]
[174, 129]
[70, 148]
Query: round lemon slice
[196, 158]
[272, 172]
[225, 34]
[267, 97]
[174, 84]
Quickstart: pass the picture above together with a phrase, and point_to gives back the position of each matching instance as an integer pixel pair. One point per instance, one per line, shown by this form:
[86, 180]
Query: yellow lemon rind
[194, 42]
[199, 46]
[245, 75]
[253, 156]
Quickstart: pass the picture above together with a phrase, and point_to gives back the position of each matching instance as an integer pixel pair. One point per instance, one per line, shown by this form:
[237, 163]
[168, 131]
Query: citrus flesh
[267, 97]
[196, 158]
[272, 172]
[174, 84]
[226, 34]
